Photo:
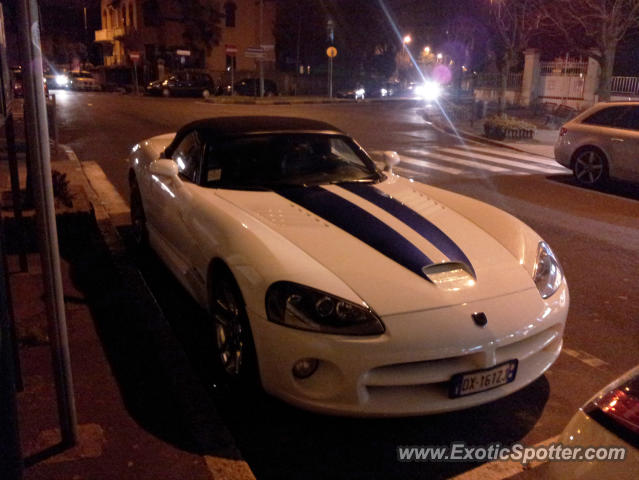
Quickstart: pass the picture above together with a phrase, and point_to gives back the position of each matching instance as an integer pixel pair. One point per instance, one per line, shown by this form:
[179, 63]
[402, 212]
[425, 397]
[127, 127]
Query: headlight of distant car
[428, 90]
[547, 272]
[61, 80]
[305, 308]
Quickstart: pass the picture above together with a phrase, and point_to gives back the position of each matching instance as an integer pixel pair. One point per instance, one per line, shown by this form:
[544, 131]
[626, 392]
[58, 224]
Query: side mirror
[164, 167]
[390, 160]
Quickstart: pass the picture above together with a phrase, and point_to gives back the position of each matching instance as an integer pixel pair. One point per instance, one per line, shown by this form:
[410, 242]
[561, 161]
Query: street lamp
[407, 39]
[427, 50]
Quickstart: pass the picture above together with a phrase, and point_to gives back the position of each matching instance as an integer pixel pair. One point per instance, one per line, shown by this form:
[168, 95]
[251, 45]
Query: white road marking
[523, 156]
[427, 164]
[513, 163]
[585, 357]
[458, 161]
[499, 470]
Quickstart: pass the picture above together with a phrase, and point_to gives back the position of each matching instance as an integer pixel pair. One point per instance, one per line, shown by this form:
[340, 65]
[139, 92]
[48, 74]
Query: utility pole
[261, 60]
[35, 116]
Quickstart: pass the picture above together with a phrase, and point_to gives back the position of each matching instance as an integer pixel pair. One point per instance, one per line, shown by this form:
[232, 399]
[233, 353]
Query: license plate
[477, 381]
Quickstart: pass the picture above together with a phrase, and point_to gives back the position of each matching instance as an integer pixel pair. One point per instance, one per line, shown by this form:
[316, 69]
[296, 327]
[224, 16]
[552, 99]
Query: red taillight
[563, 131]
[618, 409]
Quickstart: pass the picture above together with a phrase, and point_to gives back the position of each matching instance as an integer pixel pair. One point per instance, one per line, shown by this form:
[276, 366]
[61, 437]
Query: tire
[138, 217]
[235, 349]
[206, 93]
[590, 167]
[166, 92]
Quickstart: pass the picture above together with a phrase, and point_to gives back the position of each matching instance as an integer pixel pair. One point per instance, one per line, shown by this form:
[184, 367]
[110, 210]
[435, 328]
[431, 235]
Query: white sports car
[342, 288]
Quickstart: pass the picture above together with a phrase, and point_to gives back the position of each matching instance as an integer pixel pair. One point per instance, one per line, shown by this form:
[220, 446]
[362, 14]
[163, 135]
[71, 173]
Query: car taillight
[563, 131]
[618, 409]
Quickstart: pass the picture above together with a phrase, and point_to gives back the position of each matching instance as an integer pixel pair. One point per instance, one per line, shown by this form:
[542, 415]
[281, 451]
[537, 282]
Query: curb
[232, 467]
[476, 138]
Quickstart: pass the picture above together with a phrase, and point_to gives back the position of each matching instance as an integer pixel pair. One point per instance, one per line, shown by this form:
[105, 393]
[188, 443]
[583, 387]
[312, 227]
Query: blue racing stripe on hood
[413, 219]
[359, 223]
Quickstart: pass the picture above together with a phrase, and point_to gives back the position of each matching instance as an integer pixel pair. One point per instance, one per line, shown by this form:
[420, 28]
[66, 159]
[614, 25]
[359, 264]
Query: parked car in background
[343, 288]
[251, 87]
[83, 80]
[608, 419]
[183, 83]
[601, 143]
[17, 83]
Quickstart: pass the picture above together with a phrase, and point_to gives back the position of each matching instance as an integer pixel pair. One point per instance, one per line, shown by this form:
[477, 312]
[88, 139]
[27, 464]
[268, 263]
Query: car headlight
[547, 273]
[61, 80]
[305, 308]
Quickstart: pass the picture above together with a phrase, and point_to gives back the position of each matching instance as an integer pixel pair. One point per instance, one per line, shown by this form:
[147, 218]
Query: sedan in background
[83, 81]
[601, 143]
[251, 87]
[609, 419]
[339, 287]
[183, 83]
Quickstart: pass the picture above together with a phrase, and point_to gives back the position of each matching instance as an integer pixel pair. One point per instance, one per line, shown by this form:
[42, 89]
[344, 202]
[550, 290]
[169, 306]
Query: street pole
[35, 115]
[330, 77]
[261, 60]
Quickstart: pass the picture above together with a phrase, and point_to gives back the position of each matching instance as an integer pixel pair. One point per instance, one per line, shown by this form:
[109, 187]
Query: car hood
[378, 238]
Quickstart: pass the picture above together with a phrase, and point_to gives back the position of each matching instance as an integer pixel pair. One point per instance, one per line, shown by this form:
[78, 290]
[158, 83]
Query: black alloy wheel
[590, 167]
[235, 348]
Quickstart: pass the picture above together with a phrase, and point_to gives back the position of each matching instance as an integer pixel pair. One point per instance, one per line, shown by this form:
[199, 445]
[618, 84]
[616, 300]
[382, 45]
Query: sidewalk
[142, 411]
[541, 144]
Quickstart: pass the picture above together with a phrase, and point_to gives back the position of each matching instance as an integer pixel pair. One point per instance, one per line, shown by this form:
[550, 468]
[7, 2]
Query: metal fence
[627, 85]
[493, 80]
[561, 68]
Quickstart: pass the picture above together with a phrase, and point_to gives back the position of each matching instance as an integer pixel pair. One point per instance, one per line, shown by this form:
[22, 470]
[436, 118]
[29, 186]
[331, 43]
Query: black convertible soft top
[232, 126]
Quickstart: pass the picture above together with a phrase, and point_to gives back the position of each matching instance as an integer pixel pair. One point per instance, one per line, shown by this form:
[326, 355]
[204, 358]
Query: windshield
[271, 160]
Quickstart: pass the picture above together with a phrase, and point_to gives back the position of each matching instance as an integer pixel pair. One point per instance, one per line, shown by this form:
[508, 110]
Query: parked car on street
[251, 87]
[339, 287]
[183, 83]
[609, 419]
[601, 143]
[83, 80]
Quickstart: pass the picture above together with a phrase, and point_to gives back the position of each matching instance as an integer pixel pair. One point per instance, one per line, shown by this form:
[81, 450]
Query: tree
[201, 24]
[515, 22]
[595, 28]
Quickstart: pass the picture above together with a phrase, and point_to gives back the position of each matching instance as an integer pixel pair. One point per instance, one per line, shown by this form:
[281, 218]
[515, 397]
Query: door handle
[616, 139]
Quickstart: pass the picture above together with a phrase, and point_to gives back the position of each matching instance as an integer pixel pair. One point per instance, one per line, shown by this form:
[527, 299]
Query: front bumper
[407, 370]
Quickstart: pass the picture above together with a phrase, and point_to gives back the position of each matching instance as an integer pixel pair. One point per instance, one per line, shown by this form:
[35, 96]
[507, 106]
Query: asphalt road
[594, 233]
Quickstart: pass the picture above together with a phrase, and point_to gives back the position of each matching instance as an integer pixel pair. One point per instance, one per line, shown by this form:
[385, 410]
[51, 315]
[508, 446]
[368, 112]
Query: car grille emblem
[480, 319]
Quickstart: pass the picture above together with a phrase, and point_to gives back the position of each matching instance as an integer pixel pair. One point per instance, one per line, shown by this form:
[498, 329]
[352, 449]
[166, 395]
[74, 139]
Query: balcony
[108, 35]
[104, 36]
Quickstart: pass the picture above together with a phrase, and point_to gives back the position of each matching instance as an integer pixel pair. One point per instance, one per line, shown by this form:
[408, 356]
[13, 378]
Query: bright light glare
[407, 39]
[359, 93]
[61, 80]
[429, 90]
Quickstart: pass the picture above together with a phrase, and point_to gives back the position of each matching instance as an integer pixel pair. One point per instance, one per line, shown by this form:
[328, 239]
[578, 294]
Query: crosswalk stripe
[502, 161]
[459, 161]
[522, 156]
[427, 164]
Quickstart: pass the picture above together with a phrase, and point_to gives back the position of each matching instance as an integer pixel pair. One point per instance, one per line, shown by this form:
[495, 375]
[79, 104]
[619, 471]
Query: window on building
[104, 19]
[131, 15]
[151, 13]
[229, 12]
[124, 19]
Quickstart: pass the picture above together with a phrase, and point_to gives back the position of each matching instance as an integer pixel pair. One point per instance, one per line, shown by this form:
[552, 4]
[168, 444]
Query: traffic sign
[231, 49]
[331, 52]
[134, 56]
[184, 53]
[254, 52]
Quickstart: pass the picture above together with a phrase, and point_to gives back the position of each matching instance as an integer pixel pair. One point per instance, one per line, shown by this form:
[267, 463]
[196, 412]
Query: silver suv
[601, 143]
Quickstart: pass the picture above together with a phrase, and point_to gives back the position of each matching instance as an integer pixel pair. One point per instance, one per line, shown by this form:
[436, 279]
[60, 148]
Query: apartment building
[152, 31]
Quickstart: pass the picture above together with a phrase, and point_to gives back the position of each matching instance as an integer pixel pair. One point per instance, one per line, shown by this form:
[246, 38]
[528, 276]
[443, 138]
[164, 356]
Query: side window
[614, 117]
[188, 156]
[229, 13]
[634, 118]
